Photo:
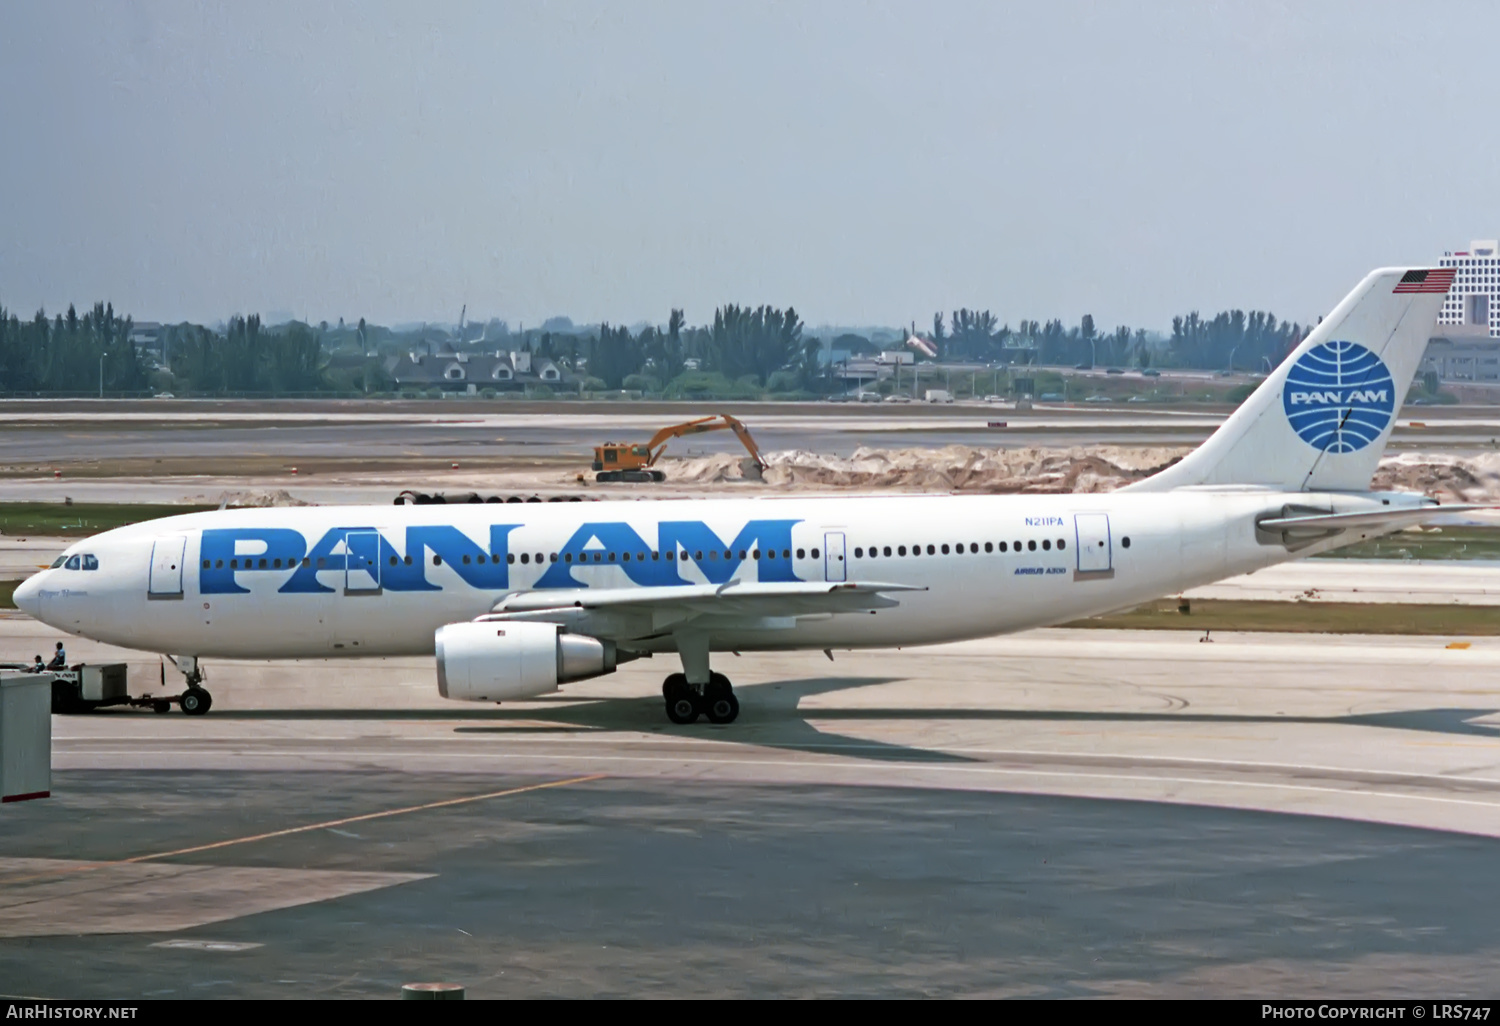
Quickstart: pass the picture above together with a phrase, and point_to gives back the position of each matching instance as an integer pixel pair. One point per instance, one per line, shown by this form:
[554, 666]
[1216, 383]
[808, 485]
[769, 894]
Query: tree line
[751, 348]
[1229, 340]
[246, 358]
[70, 353]
[1233, 339]
[745, 350]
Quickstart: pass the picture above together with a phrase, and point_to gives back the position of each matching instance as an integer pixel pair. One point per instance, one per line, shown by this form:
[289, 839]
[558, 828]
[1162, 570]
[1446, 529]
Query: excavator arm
[743, 434]
[720, 422]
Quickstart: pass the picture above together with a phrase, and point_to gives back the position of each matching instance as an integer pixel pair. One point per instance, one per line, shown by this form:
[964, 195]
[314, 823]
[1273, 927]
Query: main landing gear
[686, 702]
[698, 691]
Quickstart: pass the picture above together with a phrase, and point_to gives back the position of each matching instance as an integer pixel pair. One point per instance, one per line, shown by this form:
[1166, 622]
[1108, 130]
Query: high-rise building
[1474, 300]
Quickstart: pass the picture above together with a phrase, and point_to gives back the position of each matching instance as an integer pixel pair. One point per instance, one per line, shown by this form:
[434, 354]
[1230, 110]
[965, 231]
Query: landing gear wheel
[673, 686]
[723, 709]
[195, 701]
[161, 706]
[720, 704]
[683, 703]
[683, 708]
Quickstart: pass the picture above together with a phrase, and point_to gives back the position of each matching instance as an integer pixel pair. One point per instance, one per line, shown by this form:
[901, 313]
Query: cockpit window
[57, 562]
[90, 561]
[73, 563]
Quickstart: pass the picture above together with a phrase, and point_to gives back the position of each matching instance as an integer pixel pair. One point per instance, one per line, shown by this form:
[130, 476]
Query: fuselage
[348, 581]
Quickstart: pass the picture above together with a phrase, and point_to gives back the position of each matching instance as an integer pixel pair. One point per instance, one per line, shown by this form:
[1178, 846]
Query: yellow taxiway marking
[367, 816]
[311, 826]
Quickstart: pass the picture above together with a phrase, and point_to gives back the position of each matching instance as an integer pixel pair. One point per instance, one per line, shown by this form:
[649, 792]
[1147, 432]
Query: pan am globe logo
[1339, 397]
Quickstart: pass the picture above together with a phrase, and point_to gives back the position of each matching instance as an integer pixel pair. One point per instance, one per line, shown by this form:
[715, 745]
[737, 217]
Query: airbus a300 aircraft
[518, 599]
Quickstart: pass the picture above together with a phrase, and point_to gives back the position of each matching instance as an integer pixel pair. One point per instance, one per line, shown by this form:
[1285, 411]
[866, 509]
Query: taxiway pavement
[1054, 813]
[1386, 729]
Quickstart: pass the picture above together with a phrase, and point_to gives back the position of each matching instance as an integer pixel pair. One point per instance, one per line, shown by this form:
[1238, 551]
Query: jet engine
[490, 661]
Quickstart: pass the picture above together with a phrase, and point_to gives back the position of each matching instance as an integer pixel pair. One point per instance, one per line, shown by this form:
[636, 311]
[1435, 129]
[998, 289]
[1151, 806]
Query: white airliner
[517, 599]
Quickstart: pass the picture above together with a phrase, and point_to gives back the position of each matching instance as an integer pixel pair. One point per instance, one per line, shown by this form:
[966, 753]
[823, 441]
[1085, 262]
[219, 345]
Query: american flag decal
[1434, 280]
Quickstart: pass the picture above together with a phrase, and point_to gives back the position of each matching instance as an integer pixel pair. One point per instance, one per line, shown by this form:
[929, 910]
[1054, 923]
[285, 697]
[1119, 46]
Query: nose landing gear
[196, 700]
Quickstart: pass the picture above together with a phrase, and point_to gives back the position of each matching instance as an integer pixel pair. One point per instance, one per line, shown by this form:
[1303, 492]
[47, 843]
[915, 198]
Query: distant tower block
[1474, 300]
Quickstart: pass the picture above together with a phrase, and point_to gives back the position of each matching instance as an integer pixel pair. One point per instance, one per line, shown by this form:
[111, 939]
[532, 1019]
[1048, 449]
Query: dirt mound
[1040, 471]
[1449, 478]
[951, 468]
[715, 469]
[257, 499]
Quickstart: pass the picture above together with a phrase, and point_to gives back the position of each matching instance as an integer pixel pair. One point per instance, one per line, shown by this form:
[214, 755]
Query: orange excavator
[621, 461]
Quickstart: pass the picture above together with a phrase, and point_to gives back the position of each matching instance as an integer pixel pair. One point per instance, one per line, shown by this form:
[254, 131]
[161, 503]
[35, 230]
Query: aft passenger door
[1095, 548]
[165, 581]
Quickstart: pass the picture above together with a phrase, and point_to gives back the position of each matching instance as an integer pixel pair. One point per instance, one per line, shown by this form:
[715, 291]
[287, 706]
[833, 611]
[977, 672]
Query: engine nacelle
[490, 661]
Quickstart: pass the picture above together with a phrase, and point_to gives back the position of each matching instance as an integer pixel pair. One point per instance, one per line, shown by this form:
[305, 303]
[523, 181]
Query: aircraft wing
[1385, 519]
[754, 598]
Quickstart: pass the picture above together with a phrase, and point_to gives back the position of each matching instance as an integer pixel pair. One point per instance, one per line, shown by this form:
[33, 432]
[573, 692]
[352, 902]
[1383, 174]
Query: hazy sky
[867, 163]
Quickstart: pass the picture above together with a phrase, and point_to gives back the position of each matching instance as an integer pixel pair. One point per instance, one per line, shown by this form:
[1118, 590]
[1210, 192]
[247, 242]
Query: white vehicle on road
[515, 600]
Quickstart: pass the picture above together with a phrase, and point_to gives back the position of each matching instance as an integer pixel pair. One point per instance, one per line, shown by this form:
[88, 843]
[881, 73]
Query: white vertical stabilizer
[1321, 420]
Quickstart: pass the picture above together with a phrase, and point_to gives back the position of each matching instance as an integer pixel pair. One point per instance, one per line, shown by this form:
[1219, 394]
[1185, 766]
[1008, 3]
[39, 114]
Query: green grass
[79, 519]
[1305, 618]
[1444, 543]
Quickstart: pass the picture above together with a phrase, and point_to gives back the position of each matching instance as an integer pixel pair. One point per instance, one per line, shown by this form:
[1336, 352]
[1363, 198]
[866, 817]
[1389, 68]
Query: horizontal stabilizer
[1387, 519]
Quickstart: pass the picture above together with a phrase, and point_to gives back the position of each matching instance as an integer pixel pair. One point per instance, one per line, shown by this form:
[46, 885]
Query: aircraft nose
[27, 596]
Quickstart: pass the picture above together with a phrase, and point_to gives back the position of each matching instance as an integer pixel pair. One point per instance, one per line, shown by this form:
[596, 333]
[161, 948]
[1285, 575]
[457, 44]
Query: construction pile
[1103, 468]
[258, 499]
[951, 468]
[1447, 478]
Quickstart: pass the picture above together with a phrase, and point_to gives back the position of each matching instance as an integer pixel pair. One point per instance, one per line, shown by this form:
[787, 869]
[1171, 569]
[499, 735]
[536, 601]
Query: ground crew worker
[39, 666]
[59, 658]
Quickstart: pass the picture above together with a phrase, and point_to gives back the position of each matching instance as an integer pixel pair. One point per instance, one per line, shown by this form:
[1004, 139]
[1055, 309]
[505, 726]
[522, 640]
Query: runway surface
[73, 433]
[440, 432]
[1053, 813]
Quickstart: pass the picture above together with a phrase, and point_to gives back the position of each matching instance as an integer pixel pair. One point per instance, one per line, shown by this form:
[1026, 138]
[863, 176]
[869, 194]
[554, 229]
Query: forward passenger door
[165, 581]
